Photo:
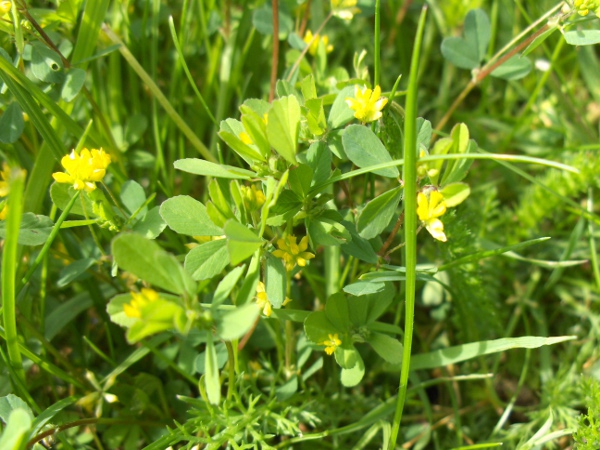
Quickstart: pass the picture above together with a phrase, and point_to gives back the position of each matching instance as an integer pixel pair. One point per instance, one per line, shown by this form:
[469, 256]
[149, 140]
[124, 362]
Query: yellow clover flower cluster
[332, 343]
[293, 253]
[344, 9]
[583, 7]
[83, 170]
[139, 300]
[4, 188]
[430, 209]
[367, 104]
[314, 44]
[262, 300]
[5, 7]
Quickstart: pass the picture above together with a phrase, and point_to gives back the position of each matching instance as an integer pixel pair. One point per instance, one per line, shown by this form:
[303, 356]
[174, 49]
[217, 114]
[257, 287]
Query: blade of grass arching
[10, 264]
[187, 70]
[158, 142]
[410, 223]
[87, 37]
[155, 90]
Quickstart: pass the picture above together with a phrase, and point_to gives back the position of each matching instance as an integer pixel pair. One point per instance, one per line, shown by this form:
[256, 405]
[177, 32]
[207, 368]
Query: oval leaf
[378, 213]
[365, 149]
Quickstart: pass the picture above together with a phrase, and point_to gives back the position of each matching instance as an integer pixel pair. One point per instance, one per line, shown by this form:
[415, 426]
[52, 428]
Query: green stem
[410, 224]
[377, 49]
[9, 271]
[51, 238]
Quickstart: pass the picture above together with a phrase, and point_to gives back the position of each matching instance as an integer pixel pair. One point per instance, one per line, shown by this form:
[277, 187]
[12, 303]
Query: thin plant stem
[50, 239]
[410, 224]
[275, 59]
[377, 46]
[308, 45]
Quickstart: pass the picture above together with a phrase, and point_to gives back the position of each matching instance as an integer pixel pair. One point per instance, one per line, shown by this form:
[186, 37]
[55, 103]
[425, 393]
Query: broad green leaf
[455, 193]
[365, 149]
[222, 357]
[10, 403]
[116, 313]
[358, 247]
[133, 196]
[387, 347]
[515, 68]
[300, 179]
[326, 229]
[364, 287]
[318, 157]
[34, 229]
[540, 39]
[45, 416]
[150, 225]
[460, 52]
[207, 260]
[378, 302]
[226, 285]
[236, 323]
[478, 31]
[275, 281]
[459, 353]
[148, 261]
[210, 169]
[46, 65]
[241, 241]
[74, 81]
[211, 375]
[64, 313]
[308, 87]
[16, 433]
[425, 131]
[187, 216]
[262, 19]
[288, 389]
[340, 113]
[61, 195]
[582, 37]
[318, 327]
[336, 310]
[283, 127]
[378, 213]
[11, 124]
[351, 377]
[74, 271]
[256, 127]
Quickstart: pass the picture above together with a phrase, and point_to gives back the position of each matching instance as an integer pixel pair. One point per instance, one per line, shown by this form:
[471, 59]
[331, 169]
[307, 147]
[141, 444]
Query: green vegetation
[299, 224]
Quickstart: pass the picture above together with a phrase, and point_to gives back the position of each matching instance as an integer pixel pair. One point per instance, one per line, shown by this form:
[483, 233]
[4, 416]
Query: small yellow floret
[5, 7]
[262, 300]
[245, 138]
[83, 170]
[367, 104]
[293, 253]
[313, 41]
[139, 300]
[332, 343]
[344, 9]
[429, 209]
[583, 7]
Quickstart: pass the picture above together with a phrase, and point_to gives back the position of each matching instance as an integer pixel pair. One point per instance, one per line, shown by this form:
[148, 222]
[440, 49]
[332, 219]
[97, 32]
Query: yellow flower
[332, 343]
[344, 9]
[262, 300]
[4, 176]
[583, 7]
[5, 7]
[367, 104]
[138, 302]
[293, 253]
[245, 138]
[428, 210]
[253, 196]
[83, 170]
[314, 46]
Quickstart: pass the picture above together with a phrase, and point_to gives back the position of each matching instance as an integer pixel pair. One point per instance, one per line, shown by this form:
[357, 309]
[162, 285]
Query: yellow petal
[436, 229]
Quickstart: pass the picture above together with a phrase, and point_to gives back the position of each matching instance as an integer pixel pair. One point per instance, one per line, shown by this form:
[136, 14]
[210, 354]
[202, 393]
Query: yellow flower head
[367, 104]
[344, 9]
[83, 170]
[139, 301]
[5, 7]
[262, 300]
[245, 138]
[4, 177]
[293, 253]
[332, 343]
[429, 209]
[253, 196]
[314, 44]
[583, 7]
